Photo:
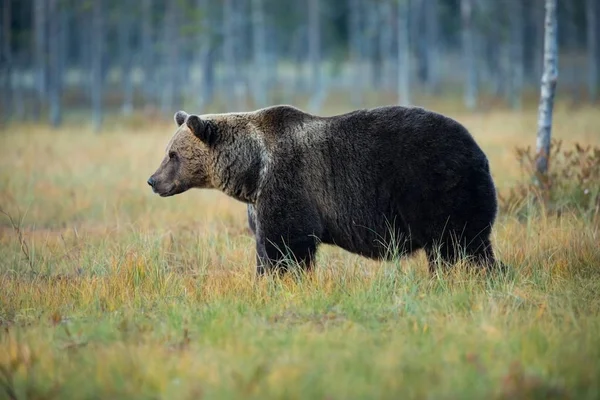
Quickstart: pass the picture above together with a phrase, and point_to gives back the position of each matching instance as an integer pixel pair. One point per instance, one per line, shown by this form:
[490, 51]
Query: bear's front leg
[279, 253]
[285, 237]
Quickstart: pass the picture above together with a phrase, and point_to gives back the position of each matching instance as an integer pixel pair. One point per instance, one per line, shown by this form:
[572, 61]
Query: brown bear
[381, 182]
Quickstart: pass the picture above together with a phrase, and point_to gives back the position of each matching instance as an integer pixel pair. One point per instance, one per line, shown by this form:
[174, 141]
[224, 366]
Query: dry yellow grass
[127, 295]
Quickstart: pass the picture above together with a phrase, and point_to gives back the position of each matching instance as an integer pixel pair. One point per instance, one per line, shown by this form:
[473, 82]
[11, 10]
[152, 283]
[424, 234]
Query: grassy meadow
[109, 291]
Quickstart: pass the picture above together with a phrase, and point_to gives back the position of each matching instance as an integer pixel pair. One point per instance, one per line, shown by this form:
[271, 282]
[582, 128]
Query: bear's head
[188, 159]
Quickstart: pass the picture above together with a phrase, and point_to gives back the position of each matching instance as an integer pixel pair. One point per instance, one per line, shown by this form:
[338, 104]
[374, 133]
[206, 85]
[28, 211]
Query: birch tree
[403, 53]
[548, 89]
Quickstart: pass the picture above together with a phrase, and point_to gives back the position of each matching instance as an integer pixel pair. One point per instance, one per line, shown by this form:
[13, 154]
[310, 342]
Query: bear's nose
[151, 181]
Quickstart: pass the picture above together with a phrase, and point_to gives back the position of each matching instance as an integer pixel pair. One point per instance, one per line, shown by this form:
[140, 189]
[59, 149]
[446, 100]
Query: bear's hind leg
[441, 254]
[478, 252]
[483, 255]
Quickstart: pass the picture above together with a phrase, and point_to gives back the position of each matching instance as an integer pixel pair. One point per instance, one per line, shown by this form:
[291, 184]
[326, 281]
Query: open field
[109, 291]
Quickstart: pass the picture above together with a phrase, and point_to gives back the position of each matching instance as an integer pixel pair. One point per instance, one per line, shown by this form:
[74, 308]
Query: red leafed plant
[572, 182]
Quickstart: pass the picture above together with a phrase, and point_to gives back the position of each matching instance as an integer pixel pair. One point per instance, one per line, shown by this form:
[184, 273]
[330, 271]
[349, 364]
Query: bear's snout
[151, 181]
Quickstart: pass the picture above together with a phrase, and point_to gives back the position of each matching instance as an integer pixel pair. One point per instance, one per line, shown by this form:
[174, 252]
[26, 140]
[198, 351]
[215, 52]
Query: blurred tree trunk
[318, 87]
[64, 14]
[242, 13]
[205, 57]
[314, 45]
[170, 45]
[20, 66]
[403, 53]
[373, 57]
[208, 76]
[471, 89]
[147, 44]
[54, 64]
[592, 10]
[496, 49]
[273, 53]
[97, 62]
[298, 51]
[430, 70]
[516, 55]
[6, 62]
[386, 40]
[537, 53]
[125, 29]
[260, 55]
[571, 77]
[39, 49]
[529, 43]
[548, 89]
[83, 16]
[355, 47]
[229, 52]
[418, 30]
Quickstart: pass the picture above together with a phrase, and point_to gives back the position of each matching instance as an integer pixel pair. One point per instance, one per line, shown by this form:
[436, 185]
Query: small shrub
[572, 182]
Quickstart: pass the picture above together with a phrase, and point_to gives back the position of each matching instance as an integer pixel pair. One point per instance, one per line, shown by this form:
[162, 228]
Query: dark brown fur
[380, 183]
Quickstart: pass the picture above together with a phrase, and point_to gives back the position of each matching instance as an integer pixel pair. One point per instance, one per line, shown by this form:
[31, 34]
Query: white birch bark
[548, 88]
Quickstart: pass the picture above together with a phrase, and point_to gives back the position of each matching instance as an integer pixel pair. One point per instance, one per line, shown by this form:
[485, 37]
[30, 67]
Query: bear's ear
[201, 129]
[180, 117]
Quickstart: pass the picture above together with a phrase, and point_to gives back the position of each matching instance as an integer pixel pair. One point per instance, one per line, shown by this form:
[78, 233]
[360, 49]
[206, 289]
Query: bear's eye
[172, 155]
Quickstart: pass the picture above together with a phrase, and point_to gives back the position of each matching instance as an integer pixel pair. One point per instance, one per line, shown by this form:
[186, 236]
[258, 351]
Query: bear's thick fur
[380, 183]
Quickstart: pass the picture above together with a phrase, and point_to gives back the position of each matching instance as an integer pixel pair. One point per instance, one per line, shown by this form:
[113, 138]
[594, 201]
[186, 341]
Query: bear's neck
[241, 168]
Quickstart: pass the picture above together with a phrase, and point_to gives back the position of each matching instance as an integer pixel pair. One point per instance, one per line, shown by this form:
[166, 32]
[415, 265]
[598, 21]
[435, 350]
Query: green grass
[108, 291]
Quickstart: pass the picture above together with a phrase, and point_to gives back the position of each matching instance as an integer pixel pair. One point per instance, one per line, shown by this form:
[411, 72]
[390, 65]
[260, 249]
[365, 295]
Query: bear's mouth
[167, 193]
[173, 190]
